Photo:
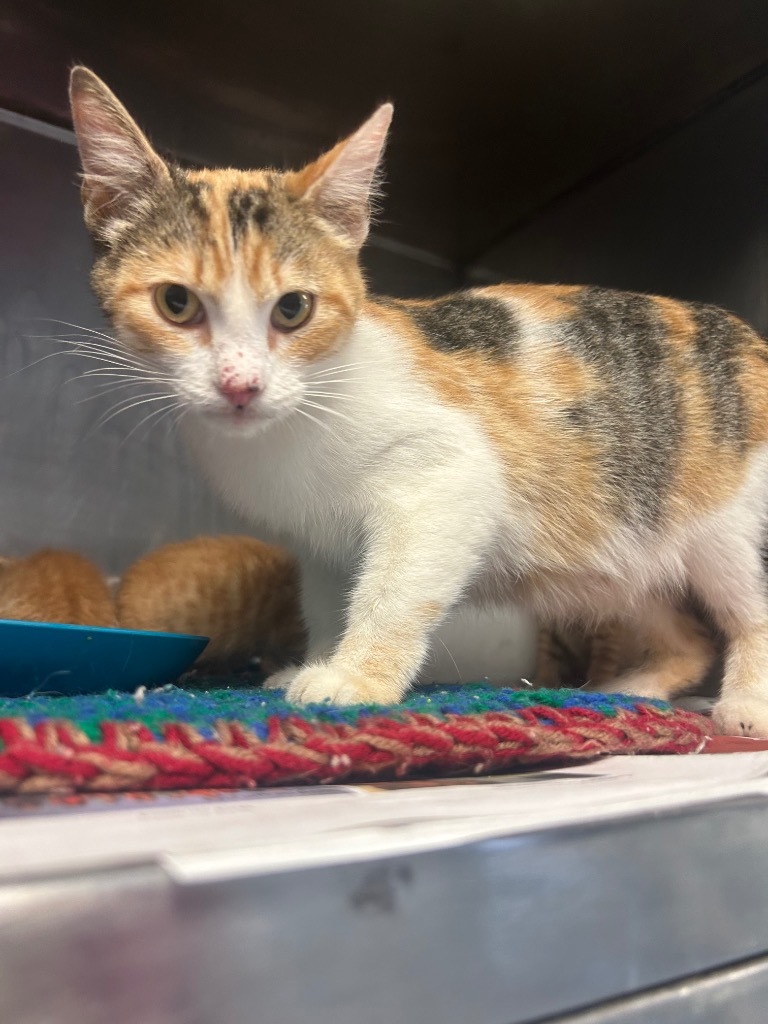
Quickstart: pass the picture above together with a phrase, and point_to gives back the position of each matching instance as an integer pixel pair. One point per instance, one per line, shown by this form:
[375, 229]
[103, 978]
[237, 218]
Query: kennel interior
[613, 142]
[619, 144]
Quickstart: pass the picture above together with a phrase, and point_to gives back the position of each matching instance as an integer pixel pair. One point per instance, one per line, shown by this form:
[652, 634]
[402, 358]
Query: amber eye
[178, 304]
[292, 310]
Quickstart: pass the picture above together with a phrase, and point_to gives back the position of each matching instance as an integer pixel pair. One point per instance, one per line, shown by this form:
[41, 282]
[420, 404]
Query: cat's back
[603, 326]
[649, 405]
[596, 359]
[55, 586]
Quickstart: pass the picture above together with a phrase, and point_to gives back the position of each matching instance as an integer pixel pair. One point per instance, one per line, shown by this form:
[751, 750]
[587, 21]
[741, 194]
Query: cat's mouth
[239, 416]
[233, 419]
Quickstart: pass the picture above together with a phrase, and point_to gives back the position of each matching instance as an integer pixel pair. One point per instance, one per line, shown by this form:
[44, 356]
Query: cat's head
[237, 285]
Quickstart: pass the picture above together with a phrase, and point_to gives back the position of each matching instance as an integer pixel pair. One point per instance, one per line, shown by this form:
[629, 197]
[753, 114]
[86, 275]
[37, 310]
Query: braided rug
[176, 738]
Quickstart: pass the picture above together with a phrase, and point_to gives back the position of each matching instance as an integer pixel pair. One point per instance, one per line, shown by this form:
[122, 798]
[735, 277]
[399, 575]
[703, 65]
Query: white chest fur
[321, 487]
[321, 483]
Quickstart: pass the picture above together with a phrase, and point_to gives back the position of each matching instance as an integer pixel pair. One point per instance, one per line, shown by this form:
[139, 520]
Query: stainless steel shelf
[515, 929]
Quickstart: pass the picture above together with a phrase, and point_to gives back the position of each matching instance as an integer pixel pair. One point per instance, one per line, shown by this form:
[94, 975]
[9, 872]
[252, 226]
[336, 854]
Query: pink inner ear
[110, 145]
[116, 157]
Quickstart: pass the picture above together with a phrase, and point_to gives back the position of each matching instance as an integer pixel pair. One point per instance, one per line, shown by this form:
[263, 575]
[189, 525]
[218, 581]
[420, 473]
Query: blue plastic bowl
[47, 657]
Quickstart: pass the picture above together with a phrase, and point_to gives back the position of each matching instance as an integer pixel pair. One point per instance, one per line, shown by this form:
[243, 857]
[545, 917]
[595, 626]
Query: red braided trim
[56, 756]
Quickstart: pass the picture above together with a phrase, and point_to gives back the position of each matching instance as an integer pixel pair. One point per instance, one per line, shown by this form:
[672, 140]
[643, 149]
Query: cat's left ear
[120, 168]
[342, 184]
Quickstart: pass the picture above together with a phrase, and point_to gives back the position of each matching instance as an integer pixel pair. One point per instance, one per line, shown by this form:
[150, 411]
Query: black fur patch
[577, 416]
[719, 347]
[194, 192]
[467, 321]
[634, 419]
[247, 207]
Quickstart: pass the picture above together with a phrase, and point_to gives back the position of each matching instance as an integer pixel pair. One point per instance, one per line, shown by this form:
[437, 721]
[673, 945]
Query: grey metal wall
[687, 218]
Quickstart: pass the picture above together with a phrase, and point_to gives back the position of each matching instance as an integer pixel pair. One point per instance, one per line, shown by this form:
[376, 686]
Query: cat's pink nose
[239, 395]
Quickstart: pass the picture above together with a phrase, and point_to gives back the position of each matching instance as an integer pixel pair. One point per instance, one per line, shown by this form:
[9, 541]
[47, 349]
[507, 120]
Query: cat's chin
[232, 424]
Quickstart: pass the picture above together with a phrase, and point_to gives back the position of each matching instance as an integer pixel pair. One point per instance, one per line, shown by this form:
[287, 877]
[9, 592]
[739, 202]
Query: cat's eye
[292, 310]
[178, 304]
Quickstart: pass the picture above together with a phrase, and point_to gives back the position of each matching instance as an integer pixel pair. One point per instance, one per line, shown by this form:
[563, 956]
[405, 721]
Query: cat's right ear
[120, 168]
[342, 185]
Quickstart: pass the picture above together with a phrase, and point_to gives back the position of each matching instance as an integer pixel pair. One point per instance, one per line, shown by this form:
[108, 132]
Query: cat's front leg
[419, 562]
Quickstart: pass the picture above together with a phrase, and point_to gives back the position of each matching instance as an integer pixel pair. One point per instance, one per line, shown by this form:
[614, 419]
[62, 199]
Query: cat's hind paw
[635, 684]
[742, 716]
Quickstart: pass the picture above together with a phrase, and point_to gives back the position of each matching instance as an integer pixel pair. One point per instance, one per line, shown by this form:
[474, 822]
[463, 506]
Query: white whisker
[111, 388]
[146, 394]
[116, 357]
[95, 343]
[75, 339]
[324, 408]
[348, 367]
[53, 337]
[119, 373]
[458, 674]
[134, 380]
[161, 413]
[332, 394]
[123, 407]
[109, 358]
[103, 371]
[343, 366]
[78, 327]
[28, 366]
[314, 419]
[97, 359]
[179, 407]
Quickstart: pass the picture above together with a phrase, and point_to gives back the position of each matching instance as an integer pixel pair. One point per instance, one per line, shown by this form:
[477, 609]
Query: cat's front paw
[742, 716]
[339, 685]
[282, 680]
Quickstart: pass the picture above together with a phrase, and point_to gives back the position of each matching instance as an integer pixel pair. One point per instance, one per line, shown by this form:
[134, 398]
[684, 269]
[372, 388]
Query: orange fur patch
[238, 591]
[546, 302]
[55, 586]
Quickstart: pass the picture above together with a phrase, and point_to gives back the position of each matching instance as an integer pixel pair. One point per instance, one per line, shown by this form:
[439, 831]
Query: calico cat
[241, 593]
[584, 452]
[55, 586]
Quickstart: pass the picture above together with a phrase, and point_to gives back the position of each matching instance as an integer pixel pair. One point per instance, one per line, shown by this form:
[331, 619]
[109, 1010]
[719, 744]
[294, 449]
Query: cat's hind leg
[562, 654]
[731, 579]
[677, 653]
[608, 653]
[549, 661]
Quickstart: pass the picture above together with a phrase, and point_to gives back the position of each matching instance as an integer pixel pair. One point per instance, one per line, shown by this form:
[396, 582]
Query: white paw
[634, 685]
[317, 683]
[282, 680]
[742, 716]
